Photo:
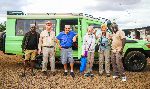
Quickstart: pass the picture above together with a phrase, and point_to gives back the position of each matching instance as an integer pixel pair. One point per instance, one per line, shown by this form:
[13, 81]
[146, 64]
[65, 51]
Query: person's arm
[40, 44]
[98, 36]
[75, 38]
[54, 42]
[58, 43]
[23, 43]
[38, 36]
[93, 43]
[83, 45]
[123, 40]
[58, 38]
[75, 35]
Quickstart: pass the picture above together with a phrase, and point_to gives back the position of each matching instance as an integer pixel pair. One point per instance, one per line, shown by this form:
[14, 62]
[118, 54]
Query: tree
[2, 26]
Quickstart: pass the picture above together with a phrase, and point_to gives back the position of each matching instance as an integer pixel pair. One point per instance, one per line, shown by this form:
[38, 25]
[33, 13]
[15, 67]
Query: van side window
[23, 25]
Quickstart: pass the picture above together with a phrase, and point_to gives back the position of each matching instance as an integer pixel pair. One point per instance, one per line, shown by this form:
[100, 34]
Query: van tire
[135, 61]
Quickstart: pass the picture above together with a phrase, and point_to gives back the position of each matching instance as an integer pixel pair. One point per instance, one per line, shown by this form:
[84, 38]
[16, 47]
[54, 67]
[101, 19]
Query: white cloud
[128, 13]
[57, 6]
[2, 18]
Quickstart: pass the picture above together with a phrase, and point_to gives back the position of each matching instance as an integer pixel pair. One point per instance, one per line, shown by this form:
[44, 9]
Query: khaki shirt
[117, 41]
[46, 39]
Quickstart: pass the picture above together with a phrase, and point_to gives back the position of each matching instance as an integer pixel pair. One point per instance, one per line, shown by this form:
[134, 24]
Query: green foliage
[2, 26]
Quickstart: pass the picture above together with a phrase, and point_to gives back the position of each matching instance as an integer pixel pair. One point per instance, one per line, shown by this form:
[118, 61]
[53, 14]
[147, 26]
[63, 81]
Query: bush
[2, 26]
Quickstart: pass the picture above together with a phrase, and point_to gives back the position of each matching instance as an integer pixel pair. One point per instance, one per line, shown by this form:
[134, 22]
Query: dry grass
[10, 69]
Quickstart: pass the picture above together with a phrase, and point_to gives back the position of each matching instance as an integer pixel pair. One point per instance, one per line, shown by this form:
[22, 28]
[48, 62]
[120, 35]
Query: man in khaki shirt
[118, 43]
[47, 47]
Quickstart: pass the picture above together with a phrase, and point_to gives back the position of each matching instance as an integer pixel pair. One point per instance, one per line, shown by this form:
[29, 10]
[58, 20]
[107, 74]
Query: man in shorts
[30, 47]
[65, 40]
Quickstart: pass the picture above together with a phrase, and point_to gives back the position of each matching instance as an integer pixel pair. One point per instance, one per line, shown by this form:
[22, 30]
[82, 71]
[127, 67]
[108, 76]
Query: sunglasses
[48, 23]
[67, 28]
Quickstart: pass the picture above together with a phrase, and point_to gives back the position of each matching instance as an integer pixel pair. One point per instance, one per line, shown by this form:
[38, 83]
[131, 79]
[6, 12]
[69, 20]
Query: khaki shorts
[30, 54]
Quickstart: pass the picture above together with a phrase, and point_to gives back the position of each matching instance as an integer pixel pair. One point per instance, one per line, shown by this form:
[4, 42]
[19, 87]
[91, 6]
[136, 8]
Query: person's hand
[74, 39]
[23, 50]
[36, 51]
[83, 54]
[39, 51]
[60, 47]
[94, 32]
[110, 36]
[54, 50]
[121, 51]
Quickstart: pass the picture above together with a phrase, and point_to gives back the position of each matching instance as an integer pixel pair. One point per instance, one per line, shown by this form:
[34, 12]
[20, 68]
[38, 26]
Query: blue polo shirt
[66, 39]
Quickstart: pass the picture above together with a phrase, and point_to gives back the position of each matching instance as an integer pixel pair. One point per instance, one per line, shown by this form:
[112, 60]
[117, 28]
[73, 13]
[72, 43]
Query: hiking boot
[65, 73]
[92, 75]
[100, 74]
[87, 74]
[72, 74]
[108, 74]
[45, 73]
[33, 74]
[124, 78]
[23, 75]
[53, 73]
[115, 76]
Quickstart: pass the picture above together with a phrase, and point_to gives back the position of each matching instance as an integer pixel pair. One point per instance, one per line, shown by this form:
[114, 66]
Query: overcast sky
[128, 13]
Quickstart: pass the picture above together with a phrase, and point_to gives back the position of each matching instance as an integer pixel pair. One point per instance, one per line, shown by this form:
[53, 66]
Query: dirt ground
[11, 68]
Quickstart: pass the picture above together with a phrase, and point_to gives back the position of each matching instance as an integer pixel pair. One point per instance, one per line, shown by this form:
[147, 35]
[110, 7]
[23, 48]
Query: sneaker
[87, 74]
[72, 74]
[108, 75]
[33, 74]
[44, 73]
[23, 75]
[65, 73]
[53, 73]
[115, 76]
[124, 78]
[100, 74]
[92, 75]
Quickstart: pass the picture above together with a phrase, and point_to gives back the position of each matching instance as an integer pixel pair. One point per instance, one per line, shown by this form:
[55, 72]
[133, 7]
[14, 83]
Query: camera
[102, 44]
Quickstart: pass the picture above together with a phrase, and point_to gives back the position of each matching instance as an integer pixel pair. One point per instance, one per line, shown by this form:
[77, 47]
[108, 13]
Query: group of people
[111, 44]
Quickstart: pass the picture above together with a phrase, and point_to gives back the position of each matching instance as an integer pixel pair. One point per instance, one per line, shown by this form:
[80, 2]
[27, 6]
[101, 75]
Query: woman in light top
[88, 49]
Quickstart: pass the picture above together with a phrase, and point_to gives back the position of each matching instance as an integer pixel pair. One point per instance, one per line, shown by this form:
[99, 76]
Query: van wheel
[135, 61]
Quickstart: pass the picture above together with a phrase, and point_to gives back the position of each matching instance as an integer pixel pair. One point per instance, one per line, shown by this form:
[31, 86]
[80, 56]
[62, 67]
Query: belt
[66, 47]
[49, 46]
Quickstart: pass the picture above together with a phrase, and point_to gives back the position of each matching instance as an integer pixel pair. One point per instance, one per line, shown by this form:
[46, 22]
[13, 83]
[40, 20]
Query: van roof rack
[15, 13]
[72, 14]
[104, 20]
